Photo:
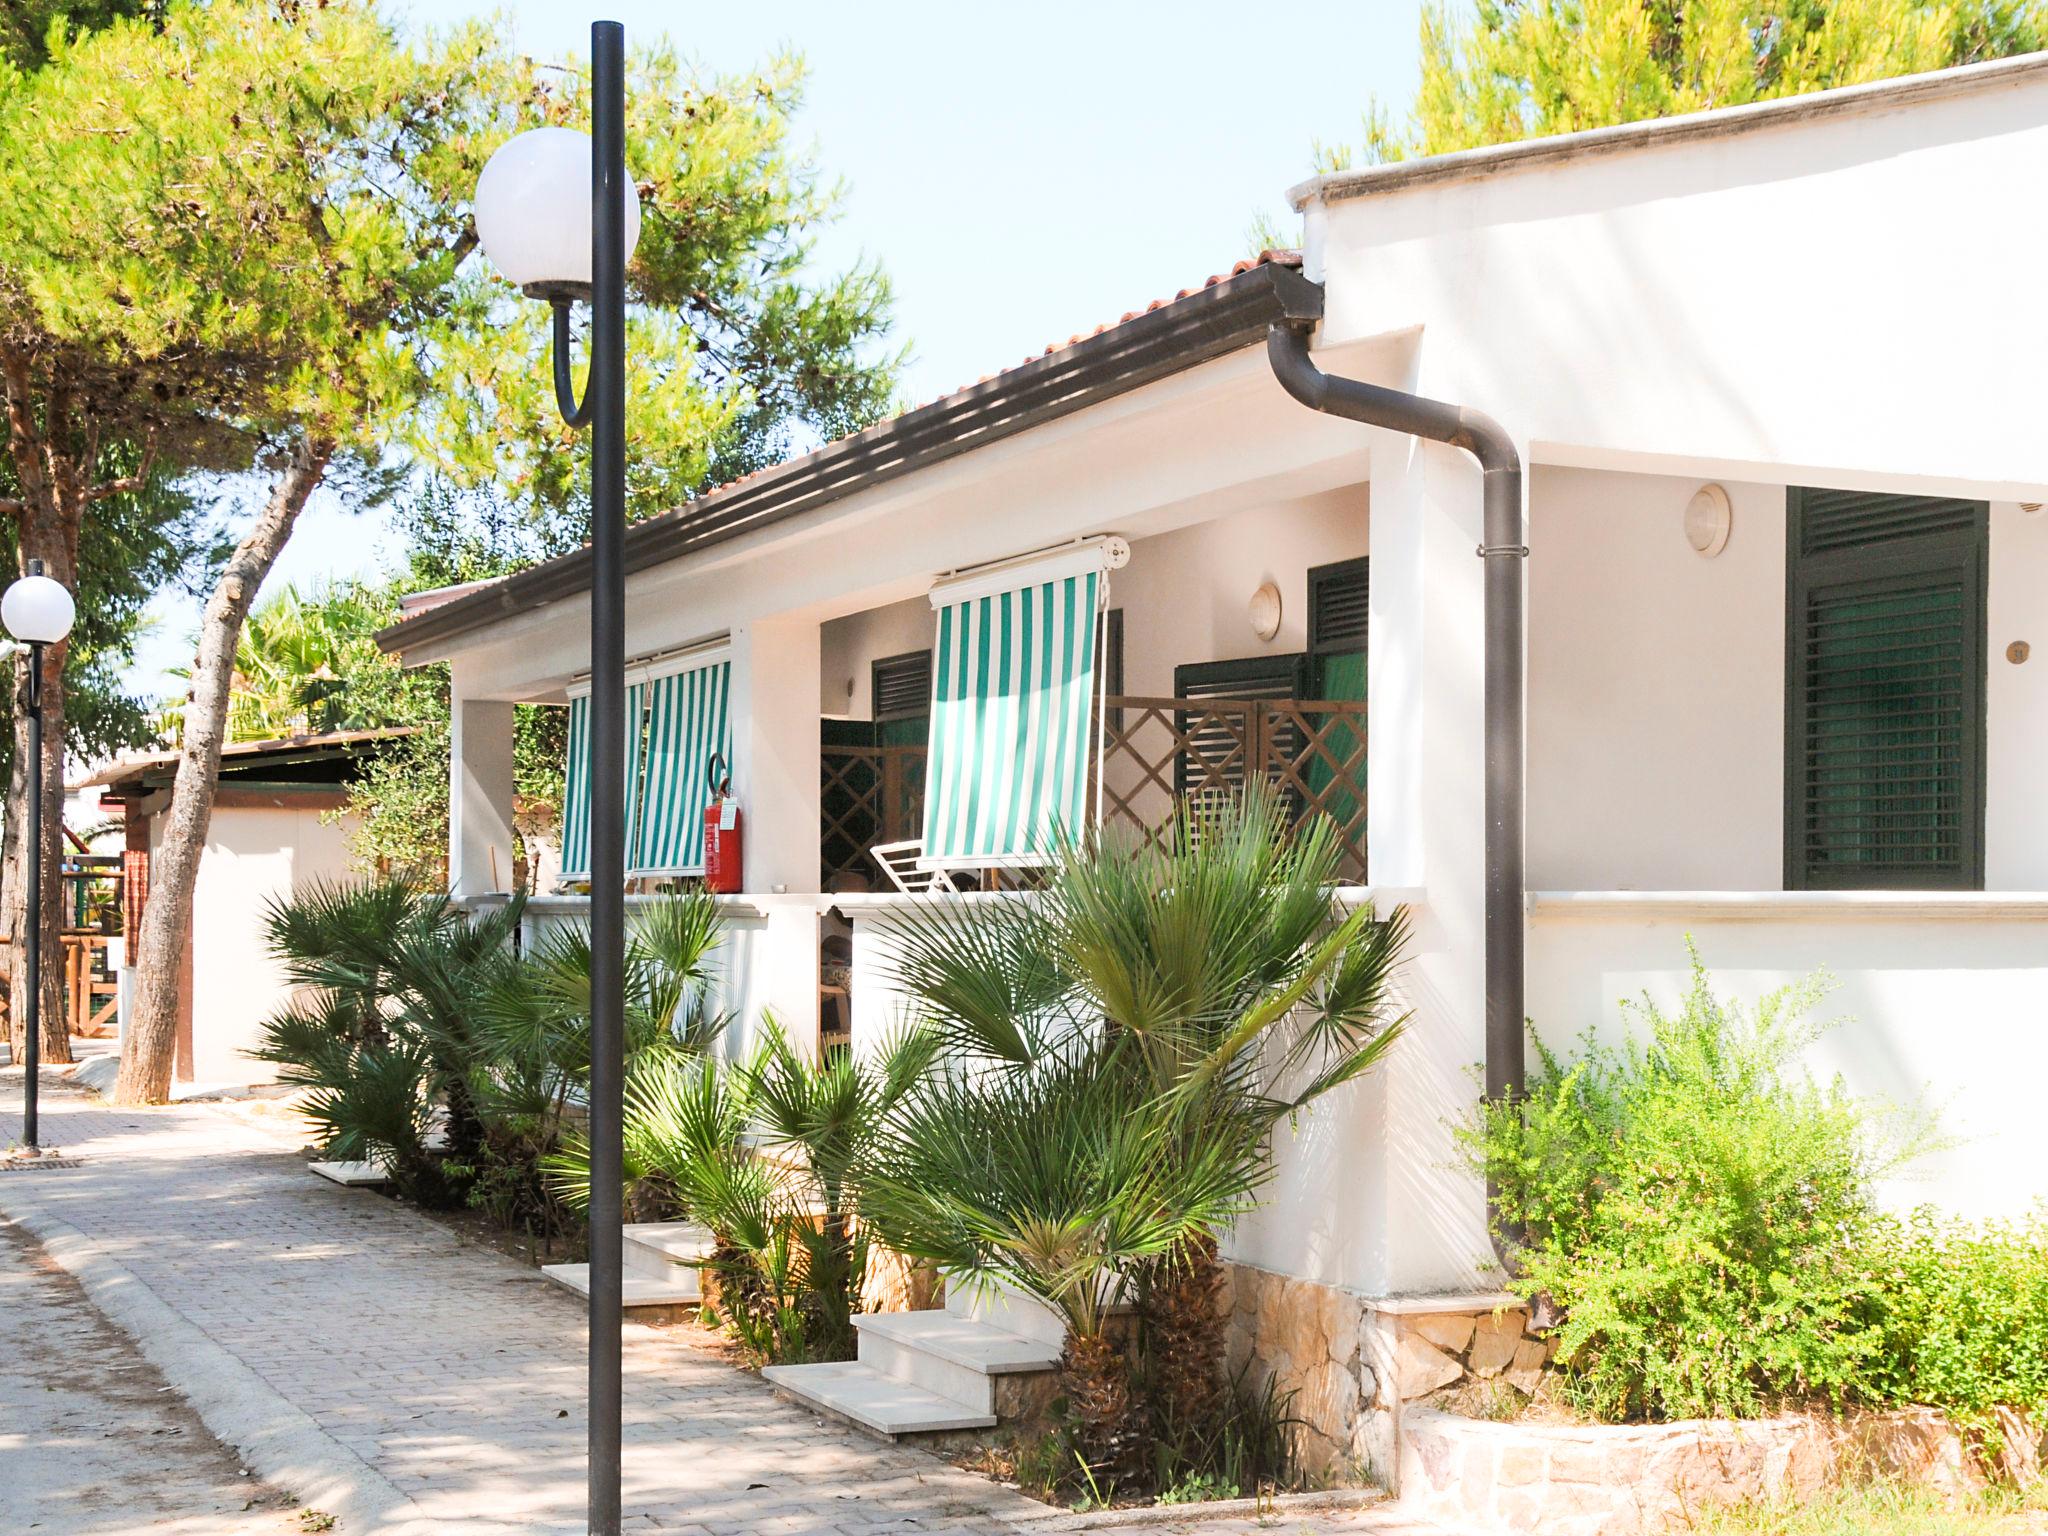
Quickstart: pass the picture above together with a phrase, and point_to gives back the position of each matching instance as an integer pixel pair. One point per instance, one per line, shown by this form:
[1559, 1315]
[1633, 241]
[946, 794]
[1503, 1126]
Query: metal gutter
[1719, 123]
[1502, 549]
[1205, 324]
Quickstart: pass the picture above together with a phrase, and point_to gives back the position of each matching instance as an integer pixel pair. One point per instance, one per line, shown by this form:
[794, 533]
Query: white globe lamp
[533, 212]
[37, 610]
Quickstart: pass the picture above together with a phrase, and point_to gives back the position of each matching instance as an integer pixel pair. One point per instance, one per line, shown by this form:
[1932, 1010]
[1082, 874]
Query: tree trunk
[1185, 1340]
[54, 488]
[151, 1041]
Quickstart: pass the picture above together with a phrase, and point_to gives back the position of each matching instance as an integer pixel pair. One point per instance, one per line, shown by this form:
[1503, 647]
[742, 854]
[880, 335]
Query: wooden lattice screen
[1312, 752]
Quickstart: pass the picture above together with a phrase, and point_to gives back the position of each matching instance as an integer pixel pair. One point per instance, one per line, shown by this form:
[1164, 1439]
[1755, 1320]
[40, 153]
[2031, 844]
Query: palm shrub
[383, 1033]
[534, 1023]
[774, 1153]
[1215, 969]
[1065, 1179]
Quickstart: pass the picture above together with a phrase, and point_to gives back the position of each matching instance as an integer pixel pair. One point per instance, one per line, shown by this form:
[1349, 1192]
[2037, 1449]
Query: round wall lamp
[1708, 519]
[1264, 611]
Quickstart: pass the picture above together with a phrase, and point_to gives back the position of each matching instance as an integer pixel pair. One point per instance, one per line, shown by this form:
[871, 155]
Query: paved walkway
[378, 1367]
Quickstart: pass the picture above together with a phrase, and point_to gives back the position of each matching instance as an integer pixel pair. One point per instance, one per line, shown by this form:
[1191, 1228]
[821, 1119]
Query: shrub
[1698, 1208]
[1964, 1314]
[773, 1154]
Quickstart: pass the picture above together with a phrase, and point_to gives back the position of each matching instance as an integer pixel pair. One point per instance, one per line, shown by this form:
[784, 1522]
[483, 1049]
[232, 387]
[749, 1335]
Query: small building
[275, 831]
[1776, 377]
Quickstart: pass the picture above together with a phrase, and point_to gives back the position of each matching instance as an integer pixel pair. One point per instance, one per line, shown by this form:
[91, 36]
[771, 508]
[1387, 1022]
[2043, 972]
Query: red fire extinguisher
[722, 858]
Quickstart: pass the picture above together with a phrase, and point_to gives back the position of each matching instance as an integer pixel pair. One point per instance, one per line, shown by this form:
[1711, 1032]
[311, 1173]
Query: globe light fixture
[557, 215]
[533, 208]
[38, 612]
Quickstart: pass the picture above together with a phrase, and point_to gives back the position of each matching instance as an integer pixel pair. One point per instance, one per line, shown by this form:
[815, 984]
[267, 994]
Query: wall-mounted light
[1264, 611]
[1708, 519]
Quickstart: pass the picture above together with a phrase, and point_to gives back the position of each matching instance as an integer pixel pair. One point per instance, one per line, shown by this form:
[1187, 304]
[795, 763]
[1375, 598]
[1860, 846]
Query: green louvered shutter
[576, 786]
[688, 720]
[1885, 658]
[1013, 684]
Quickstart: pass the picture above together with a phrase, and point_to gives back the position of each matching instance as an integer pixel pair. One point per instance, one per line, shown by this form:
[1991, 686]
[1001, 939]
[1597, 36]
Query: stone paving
[454, 1376]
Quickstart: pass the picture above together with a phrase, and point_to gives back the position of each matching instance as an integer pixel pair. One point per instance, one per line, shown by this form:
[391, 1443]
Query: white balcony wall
[1940, 1006]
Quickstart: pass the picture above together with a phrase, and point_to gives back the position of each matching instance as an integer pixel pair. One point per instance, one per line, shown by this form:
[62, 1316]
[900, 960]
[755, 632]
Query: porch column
[479, 796]
[1427, 839]
[775, 682]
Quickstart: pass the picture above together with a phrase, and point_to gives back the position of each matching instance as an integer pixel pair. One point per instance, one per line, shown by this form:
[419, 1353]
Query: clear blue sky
[1022, 172]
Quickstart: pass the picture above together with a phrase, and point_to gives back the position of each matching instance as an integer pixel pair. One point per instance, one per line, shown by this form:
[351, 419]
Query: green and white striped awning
[576, 790]
[677, 715]
[688, 721]
[1013, 685]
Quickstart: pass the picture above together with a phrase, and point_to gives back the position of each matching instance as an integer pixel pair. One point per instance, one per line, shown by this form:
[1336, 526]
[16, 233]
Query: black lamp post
[537, 200]
[38, 612]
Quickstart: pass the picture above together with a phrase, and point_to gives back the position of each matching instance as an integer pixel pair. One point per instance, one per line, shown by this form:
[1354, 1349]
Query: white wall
[1946, 1012]
[2016, 703]
[1656, 687]
[1657, 690]
[1642, 304]
[253, 856]
[854, 643]
[1184, 596]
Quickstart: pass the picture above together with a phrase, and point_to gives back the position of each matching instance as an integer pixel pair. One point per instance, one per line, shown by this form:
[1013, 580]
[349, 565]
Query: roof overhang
[1689, 127]
[1184, 333]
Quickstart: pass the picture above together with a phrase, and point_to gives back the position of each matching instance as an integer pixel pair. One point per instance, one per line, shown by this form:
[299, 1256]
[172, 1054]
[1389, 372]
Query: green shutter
[688, 721]
[576, 789]
[1884, 739]
[1012, 694]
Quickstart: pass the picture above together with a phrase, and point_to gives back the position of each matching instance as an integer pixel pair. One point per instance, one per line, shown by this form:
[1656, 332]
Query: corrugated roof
[130, 770]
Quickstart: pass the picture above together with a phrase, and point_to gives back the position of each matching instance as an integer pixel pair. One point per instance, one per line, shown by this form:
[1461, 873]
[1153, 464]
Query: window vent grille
[1831, 520]
[1339, 607]
[903, 686]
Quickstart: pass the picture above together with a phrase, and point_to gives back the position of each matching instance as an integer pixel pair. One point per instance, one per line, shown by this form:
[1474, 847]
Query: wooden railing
[1155, 751]
[92, 994]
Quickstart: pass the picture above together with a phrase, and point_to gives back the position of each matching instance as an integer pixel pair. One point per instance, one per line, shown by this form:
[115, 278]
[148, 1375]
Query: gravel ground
[93, 1441]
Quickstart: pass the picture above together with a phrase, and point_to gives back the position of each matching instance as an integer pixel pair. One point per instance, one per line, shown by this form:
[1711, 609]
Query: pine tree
[1503, 70]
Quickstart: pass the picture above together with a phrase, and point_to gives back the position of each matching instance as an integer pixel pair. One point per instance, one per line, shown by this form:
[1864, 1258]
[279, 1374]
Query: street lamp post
[556, 214]
[38, 612]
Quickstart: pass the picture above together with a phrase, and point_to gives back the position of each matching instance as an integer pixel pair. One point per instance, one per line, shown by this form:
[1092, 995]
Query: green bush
[1699, 1210]
[1964, 1313]
[1701, 1215]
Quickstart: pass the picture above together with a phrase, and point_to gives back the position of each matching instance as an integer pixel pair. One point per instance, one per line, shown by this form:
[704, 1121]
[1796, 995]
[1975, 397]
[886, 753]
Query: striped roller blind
[687, 721]
[576, 790]
[1012, 689]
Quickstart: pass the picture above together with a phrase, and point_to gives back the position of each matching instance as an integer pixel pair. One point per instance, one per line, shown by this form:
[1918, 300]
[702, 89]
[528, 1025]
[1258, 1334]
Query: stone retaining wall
[1352, 1360]
[1609, 1480]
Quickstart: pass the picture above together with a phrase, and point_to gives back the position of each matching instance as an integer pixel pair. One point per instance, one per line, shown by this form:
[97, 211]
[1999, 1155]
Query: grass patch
[1881, 1509]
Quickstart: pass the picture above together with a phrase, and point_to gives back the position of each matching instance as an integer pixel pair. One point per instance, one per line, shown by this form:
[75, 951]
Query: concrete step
[638, 1292]
[351, 1175]
[864, 1396]
[669, 1252]
[952, 1356]
[1006, 1307]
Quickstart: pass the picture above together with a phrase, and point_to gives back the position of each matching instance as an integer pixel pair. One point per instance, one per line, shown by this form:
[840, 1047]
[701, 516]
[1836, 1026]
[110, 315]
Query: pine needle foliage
[1495, 71]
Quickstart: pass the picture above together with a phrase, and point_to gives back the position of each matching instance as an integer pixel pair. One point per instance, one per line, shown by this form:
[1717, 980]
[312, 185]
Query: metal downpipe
[1287, 349]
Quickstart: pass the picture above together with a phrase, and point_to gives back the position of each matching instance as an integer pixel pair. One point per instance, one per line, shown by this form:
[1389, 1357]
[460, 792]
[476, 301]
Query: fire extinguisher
[722, 858]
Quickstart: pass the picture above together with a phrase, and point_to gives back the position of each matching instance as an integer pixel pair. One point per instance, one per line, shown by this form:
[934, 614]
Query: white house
[1778, 378]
